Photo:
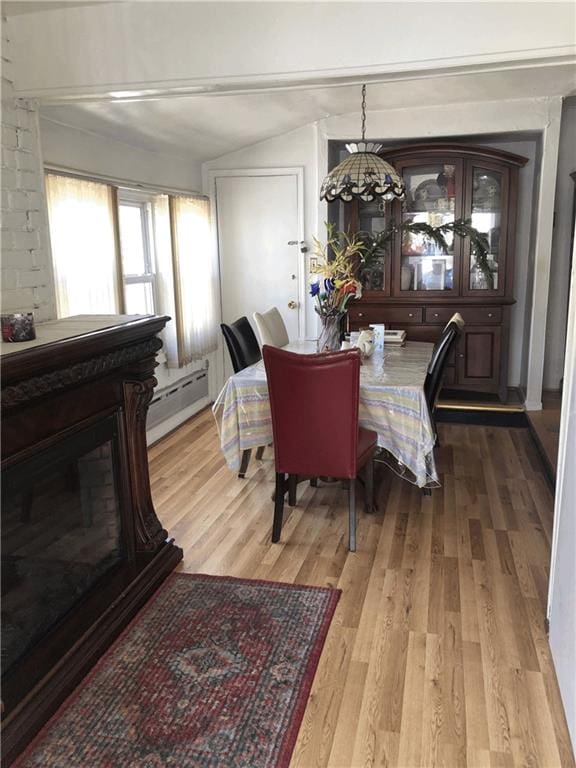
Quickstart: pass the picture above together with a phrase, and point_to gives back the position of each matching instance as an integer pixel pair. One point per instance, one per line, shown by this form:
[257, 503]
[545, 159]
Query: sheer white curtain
[195, 278]
[83, 235]
[165, 276]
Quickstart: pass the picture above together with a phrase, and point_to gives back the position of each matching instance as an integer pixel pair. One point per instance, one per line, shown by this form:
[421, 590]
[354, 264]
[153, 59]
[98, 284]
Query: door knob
[292, 304]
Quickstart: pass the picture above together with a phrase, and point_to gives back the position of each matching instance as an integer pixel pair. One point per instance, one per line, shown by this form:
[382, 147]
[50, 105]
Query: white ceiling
[18, 7]
[204, 127]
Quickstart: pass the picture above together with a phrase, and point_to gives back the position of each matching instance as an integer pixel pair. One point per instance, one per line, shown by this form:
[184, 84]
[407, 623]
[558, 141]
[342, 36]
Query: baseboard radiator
[176, 401]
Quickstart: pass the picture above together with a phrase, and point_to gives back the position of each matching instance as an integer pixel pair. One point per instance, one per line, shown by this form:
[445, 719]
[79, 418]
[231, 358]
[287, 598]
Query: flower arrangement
[335, 271]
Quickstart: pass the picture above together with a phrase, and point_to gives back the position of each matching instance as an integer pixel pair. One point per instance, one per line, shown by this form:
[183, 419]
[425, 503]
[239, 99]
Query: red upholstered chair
[314, 405]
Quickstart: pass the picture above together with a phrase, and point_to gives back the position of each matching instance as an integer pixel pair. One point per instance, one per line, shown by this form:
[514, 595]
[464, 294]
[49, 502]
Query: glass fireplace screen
[61, 533]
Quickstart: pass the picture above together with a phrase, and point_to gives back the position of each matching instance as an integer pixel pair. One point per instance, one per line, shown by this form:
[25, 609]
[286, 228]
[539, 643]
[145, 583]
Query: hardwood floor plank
[433, 710]
[541, 720]
[475, 700]
[410, 746]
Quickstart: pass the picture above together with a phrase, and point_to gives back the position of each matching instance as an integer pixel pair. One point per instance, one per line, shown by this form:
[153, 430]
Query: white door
[258, 244]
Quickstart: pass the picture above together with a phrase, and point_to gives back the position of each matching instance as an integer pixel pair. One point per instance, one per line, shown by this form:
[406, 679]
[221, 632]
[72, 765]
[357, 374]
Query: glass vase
[330, 332]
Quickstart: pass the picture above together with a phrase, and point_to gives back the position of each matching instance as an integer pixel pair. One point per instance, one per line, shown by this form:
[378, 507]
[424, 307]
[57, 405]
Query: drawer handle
[435, 314]
[489, 314]
[410, 314]
[461, 354]
[360, 314]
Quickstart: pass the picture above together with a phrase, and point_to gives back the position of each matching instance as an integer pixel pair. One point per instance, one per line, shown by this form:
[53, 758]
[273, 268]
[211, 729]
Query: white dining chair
[271, 328]
[456, 318]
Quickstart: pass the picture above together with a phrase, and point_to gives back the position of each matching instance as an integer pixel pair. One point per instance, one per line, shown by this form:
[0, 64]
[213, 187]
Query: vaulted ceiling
[207, 126]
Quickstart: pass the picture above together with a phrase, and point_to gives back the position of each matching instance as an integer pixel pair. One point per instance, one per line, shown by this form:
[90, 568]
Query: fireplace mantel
[73, 400]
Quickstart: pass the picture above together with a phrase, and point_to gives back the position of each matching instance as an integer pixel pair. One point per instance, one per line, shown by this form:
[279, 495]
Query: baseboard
[481, 416]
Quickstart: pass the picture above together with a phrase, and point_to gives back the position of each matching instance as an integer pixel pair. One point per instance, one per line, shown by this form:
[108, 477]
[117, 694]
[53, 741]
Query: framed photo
[436, 278]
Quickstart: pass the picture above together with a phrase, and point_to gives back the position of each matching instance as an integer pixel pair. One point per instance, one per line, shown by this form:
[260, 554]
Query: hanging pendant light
[364, 175]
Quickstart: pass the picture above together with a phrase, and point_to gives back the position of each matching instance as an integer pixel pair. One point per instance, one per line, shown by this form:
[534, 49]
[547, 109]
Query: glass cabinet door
[488, 193]
[374, 274]
[433, 197]
[370, 218]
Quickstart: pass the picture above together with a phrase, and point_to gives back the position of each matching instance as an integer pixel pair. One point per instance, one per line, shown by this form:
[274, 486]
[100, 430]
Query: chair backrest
[242, 343]
[456, 318]
[271, 328]
[435, 374]
[314, 405]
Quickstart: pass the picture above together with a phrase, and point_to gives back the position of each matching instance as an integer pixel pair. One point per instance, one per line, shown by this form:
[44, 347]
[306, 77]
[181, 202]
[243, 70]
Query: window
[137, 251]
[118, 250]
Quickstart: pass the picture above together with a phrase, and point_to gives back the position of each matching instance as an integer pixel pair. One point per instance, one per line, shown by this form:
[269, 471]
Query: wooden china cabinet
[416, 287]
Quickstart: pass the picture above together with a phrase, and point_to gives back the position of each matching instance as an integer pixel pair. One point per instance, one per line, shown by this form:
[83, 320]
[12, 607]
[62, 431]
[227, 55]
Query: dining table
[391, 402]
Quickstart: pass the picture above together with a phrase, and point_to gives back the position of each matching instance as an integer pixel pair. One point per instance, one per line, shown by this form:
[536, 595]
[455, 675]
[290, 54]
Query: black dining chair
[436, 370]
[242, 343]
[244, 351]
[437, 367]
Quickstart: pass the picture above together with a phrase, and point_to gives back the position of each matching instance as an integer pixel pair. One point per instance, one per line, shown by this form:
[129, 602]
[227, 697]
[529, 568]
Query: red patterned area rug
[213, 672]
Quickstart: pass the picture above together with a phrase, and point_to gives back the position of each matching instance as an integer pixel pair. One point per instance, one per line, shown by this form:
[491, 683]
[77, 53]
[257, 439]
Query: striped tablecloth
[392, 403]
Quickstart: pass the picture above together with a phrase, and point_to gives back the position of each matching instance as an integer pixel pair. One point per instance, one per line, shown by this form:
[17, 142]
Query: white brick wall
[27, 280]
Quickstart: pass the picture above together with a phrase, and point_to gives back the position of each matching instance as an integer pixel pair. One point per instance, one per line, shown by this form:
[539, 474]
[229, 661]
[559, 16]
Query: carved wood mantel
[81, 376]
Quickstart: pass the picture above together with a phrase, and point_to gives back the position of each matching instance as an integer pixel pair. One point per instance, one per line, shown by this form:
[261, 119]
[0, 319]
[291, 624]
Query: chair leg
[278, 507]
[260, 452]
[369, 487]
[314, 482]
[244, 463]
[292, 486]
[426, 491]
[352, 516]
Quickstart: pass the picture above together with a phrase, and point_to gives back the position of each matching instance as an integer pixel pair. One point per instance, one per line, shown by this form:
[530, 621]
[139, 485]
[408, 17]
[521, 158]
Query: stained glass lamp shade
[364, 175]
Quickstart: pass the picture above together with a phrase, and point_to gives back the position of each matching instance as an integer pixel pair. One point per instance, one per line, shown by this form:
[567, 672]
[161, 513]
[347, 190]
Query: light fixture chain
[363, 112]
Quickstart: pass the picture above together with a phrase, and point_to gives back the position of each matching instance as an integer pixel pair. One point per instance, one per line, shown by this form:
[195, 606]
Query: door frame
[212, 177]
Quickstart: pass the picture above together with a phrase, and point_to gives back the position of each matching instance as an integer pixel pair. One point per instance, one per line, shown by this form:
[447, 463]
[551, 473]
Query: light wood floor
[437, 654]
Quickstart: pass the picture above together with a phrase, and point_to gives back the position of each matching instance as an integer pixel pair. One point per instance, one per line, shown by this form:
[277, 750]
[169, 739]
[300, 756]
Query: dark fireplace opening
[61, 533]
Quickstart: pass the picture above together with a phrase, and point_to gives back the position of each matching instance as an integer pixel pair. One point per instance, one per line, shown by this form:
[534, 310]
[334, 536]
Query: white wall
[107, 46]
[562, 590]
[563, 229]
[27, 282]
[82, 150]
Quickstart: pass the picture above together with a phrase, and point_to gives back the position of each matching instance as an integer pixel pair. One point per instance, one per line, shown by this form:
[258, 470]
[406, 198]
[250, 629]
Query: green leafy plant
[376, 245]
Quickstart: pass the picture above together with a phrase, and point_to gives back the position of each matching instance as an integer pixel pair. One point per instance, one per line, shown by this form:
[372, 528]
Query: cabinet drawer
[471, 315]
[404, 315]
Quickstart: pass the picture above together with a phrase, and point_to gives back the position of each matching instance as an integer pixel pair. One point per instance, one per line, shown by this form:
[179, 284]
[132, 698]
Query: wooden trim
[136, 186]
[450, 148]
[54, 355]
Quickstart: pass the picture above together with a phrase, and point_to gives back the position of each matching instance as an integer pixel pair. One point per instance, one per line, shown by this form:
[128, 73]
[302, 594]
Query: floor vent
[172, 400]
